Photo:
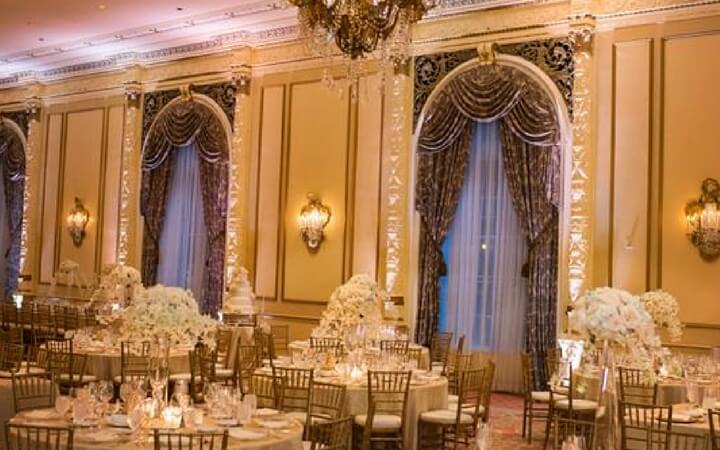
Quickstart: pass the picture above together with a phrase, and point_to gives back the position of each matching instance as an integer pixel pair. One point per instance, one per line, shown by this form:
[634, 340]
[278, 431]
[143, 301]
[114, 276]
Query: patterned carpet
[506, 424]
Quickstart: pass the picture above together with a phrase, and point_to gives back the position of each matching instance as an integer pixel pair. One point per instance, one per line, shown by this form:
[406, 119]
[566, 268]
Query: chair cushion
[298, 415]
[467, 409]
[578, 404]
[224, 373]
[76, 378]
[380, 421]
[445, 417]
[544, 396]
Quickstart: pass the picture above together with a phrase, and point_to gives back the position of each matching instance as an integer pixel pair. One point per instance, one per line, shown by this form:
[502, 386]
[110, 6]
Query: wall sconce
[313, 219]
[703, 220]
[77, 220]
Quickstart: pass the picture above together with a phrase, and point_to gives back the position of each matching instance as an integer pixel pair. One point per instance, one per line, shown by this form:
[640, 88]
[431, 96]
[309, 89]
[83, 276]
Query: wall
[311, 139]
[659, 135]
[82, 158]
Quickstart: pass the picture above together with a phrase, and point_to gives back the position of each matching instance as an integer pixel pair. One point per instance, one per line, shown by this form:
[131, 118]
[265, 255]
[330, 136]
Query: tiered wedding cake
[240, 298]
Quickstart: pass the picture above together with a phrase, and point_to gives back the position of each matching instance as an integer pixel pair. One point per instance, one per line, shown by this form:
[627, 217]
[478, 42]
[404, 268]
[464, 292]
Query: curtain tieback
[534, 243]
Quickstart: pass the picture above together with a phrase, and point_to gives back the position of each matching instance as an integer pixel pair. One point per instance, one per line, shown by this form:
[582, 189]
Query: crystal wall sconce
[313, 219]
[703, 220]
[77, 221]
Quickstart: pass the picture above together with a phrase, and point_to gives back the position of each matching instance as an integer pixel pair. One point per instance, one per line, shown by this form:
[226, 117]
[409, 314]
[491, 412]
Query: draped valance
[486, 93]
[183, 123]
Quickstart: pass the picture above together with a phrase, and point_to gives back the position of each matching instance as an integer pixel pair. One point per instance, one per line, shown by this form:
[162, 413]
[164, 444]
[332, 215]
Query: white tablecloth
[299, 346]
[7, 406]
[105, 364]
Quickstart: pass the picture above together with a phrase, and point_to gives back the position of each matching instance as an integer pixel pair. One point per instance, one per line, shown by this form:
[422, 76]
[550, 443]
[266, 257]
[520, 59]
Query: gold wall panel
[268, 190]
[691, 106]
[631, 158]
[317, 162]
[113, 168]
[49, 213]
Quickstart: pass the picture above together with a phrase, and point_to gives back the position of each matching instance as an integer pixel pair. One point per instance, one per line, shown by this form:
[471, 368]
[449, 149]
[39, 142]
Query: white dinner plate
[264, 412]
[242, 434]
[118, 420]
[42, 414]
[275, 424]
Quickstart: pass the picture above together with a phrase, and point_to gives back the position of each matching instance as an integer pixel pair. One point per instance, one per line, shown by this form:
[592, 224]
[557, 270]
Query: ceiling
[42, 35]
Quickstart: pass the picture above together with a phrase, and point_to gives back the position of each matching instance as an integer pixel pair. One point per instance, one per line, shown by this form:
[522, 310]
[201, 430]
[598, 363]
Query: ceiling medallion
[361, 29]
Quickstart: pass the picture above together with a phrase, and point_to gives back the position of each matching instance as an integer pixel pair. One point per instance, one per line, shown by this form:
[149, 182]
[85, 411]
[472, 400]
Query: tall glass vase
[606, 418]
[160, 371]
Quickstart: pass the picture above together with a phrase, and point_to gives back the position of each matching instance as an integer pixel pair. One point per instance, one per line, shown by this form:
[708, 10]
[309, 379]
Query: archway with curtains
[12, 194]
[534, 136]
[187, 126]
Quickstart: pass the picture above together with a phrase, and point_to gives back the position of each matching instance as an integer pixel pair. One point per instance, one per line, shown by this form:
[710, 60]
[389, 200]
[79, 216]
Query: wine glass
[126, 390]
[105, 392]
[63, 404]
[251, 400]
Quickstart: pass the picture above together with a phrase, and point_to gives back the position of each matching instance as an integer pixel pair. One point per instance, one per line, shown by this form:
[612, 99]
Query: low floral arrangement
[620, 319]
[168, 315]
[68, 266]
[68, 273]
[665, 312]
[354, 303]
[118, 284]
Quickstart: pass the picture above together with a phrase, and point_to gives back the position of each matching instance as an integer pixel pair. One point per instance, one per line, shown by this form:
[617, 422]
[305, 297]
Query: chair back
[327, 402]
[171, 440]
[388, 392]
[60, 345]
[581, 432]
[9, 315]
[471, 385]
[264, 346]
[11, 356]
[678, 440]
[34, 437]
[224, 341]
[13, 335]
[267, 389]
[331, 435]
[134, 361]
[33, 391]
[488, 380]
[714, 420]
[639, 419]
[635, 387]
[395, 346]
[245, 365]
[296, 388]
[281, 338]
[528, 375]
[326, 345]
[440, 347]
[59, 361]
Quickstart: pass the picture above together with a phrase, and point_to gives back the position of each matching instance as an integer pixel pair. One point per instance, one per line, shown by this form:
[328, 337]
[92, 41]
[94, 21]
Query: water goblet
[63, 404]
[105, 393]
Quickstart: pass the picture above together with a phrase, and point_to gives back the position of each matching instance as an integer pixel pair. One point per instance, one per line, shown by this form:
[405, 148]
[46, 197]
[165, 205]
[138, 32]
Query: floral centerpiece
[665, 312]
[618, 318]
[357, 302]
[68, 273]
[118, 284]
[167, 315]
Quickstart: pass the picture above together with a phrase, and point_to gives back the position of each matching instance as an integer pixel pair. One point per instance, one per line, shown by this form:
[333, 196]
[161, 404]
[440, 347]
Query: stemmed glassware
[105, 392]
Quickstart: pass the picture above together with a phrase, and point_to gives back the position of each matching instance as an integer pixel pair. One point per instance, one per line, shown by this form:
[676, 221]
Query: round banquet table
[104, 363]
[120, 438]
[7, 405]
[700, 427]
[423, 397]
[670, 390]
[299, 346]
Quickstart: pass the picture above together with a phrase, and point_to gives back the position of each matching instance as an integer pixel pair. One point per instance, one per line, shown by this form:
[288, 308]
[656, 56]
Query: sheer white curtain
[183, 239]
[486, 294]
[4, 240]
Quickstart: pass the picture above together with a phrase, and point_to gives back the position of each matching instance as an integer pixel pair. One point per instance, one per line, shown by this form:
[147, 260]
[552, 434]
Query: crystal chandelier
[361, 28]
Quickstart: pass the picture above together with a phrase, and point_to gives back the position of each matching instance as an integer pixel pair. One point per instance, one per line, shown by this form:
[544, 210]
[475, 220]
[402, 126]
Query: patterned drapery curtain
[12, 169]
[530, 134]
[182, 123]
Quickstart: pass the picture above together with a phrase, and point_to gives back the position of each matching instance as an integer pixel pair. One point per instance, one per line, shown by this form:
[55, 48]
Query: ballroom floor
[506, 422]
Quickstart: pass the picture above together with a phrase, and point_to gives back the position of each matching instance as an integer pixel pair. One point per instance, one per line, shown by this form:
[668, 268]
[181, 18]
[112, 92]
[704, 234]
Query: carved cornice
[133, 93]
[33, 106]
[242, 76]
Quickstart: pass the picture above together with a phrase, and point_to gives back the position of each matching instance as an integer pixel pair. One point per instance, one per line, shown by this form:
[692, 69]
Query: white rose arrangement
[620, 319]
[665, 312]
[114, 276]
[166, 314]
[351, 304]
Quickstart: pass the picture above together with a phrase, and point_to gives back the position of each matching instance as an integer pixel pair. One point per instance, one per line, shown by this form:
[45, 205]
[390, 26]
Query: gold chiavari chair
[581, 432]
[458, 362]
[536, 404]
[245, 366]
[9, 315]
[202, 370]
[35, 437]
[459, 422]
[326, 345]
[416, 354]
[635, 386]
[384, 422]
[639, 419]
[173, 440]
[281, 338]
[44, 326]
[240, 320]
[552, 361]
[13, 335]
[69, 316]
[264, 346]
[331, 435]
[395, 347]
[60, 345]
[27, 315]
[714, 421]
[77, 375]
[11, 357]
[267, 389]
[569, 406]
[134, 361]
[32, 391]
[327, 402]
[440, 350]
[487, 390]
[88, 318]
[223, 344]
[295, 391]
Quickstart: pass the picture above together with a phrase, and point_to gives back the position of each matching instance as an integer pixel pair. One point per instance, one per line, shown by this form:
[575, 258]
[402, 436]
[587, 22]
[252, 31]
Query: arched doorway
[12, 191]
[187, 148]
[532, 116]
